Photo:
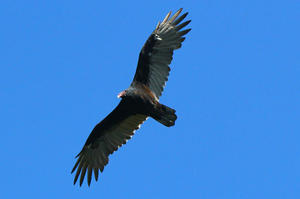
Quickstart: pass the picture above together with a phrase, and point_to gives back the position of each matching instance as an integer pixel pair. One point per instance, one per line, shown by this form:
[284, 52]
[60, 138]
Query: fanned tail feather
[165, 115]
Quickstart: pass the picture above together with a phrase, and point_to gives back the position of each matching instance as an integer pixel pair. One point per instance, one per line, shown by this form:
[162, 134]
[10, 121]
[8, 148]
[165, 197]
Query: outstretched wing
[107, 136]
[156, 54]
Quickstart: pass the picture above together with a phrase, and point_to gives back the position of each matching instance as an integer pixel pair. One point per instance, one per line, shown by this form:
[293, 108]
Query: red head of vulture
[138, 102]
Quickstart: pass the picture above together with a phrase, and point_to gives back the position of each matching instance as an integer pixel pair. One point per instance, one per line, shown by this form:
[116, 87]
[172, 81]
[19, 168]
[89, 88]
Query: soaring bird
[138, 102]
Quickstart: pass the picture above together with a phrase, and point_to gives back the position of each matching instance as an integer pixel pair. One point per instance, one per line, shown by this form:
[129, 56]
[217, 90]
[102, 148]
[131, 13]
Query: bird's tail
[165, 115]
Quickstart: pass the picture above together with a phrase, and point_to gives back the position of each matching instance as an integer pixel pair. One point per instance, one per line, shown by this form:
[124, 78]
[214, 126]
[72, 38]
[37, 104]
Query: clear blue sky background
[235, 85]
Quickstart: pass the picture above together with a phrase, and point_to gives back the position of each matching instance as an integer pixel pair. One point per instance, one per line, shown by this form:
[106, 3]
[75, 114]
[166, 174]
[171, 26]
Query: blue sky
[235, 85]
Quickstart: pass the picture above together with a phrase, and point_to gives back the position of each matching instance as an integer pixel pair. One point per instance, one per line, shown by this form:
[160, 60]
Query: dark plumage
[138, 102]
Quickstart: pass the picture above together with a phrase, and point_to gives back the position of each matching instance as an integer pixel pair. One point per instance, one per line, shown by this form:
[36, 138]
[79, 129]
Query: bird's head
[122, 94]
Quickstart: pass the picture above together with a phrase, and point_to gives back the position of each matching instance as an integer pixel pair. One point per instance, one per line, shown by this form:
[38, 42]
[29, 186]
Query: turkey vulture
[139, 101]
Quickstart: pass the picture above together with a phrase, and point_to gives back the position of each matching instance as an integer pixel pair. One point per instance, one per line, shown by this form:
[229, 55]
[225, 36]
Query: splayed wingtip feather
[89, 174]
[83, 171]
[76, 164]
[78, 171]
[184, 32]
[166, 18]
[175, 15]
[182, 25]
[96, 173]
[180, 19]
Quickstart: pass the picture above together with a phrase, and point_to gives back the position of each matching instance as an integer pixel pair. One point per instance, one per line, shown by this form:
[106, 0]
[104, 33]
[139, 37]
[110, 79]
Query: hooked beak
[121, 94]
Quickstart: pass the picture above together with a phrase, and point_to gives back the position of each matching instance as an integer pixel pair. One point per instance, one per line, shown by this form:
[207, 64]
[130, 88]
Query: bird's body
[145, 102]
[139, 101]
